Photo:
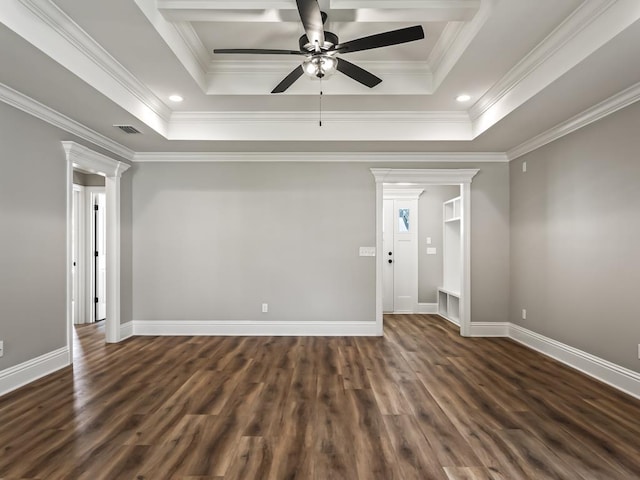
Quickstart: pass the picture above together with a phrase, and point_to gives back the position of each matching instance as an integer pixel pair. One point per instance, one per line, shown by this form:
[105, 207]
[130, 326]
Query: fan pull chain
[320, 101]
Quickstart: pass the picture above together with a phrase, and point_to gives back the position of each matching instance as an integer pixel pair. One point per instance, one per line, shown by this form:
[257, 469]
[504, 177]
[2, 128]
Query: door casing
[422, 177]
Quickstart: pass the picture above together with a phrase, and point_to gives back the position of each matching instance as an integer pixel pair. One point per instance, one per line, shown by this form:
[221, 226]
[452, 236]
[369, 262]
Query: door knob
[390, 253]
[390, 261]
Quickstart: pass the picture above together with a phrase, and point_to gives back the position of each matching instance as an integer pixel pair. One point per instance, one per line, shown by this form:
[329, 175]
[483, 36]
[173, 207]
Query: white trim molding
[126, 330]
[298, 125]
[92, 161]
[608, 372]
[79, 156]
[28, 105]
[588, 28]
[489, 329]
[252, 328]
[325, 157]
[388, 177]
[593, 114]
[19, 375]
[51, 30]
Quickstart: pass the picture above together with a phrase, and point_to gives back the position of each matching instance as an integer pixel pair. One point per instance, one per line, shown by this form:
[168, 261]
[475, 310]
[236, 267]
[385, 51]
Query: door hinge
[95, 254]
[95, 300]
[95, 207]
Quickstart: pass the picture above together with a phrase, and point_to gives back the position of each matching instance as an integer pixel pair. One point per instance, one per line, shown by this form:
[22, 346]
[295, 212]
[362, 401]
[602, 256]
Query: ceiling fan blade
[311, 17]
[289, 80]
[357, 73]
[379, 40]
[258, 51]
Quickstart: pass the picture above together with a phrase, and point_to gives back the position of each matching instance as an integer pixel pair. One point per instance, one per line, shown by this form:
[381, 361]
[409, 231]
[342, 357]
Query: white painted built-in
[449, 293]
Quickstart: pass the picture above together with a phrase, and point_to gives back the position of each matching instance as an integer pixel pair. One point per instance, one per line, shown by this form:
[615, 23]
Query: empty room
[319, 239]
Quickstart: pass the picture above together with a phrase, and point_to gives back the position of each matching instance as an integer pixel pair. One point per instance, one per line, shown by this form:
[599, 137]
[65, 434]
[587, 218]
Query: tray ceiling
[125, 58]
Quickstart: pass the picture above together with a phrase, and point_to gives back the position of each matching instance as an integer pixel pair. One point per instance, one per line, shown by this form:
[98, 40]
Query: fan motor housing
[330, 39]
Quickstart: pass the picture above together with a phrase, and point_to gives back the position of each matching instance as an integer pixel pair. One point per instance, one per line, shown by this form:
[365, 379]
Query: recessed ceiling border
[325, 157]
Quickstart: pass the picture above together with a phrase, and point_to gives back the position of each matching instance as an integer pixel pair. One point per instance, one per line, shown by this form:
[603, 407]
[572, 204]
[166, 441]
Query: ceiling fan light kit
[321, 49]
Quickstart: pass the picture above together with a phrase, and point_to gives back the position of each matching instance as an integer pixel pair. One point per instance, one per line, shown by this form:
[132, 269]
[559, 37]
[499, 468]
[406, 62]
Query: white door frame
[79, 156]
[421, 177]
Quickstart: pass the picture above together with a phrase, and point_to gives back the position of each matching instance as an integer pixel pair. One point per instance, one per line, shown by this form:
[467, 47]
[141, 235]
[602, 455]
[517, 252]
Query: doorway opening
[398, 215]
[88, 248]
[84, 159]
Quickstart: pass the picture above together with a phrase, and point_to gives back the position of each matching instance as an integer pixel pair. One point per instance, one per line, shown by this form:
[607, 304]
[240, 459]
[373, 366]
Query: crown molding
[336, 126]
[225, 4]
[382, 67]
[447, 54]
[328, 116]
[180, 39]
[591, 115]
[195, 45]
[93, 161]
[589, 27]
[329, 157]
[569, 28]
[28, 105]
[122, 86]
[434, 177]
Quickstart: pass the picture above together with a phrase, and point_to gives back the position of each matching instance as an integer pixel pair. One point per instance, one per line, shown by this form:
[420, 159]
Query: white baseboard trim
[489, 329]
[610, 373]
[126, 330]
[252, 328]
[450, 320]
[26, 372]
[428, 308]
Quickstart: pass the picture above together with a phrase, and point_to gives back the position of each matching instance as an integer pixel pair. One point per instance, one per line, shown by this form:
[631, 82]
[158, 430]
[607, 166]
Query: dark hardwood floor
[420, 403]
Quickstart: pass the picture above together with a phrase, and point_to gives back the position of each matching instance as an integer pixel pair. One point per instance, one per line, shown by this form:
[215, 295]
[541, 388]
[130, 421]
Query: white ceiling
[528, 65]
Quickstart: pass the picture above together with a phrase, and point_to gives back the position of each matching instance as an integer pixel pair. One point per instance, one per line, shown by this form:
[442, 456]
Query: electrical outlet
[265, 307]
[524, 313]
[524, 167]
[2, 348]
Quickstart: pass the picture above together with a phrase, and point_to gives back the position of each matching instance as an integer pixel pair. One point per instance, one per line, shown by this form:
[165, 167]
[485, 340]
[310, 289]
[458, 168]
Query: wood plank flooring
[419, 403]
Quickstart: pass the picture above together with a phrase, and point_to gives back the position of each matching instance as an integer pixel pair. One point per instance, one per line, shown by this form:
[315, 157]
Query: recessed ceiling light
[175, 98]
[463, 98]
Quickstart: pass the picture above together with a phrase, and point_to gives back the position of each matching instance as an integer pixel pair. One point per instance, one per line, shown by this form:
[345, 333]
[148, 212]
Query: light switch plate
[428, 240]
[432, 251]
[367, 251]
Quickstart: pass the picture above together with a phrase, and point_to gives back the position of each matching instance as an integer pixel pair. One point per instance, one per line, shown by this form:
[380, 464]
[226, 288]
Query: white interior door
[405, 272]
[400, 250]
[100, 240]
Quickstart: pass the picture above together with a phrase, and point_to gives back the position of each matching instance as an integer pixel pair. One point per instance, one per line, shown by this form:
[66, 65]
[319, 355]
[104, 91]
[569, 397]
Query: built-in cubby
[449, 293]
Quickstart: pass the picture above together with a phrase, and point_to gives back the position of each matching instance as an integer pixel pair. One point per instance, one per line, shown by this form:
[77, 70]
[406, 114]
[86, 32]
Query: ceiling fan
[320, 48]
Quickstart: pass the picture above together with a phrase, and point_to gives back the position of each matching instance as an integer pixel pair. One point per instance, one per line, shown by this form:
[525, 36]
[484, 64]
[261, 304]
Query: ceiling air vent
[130, 129]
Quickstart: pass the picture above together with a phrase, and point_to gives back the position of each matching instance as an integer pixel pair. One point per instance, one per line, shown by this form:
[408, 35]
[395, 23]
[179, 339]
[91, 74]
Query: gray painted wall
[33, 236]
[430, 225]
[126, 249]
[212, 241]
[575, 265]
